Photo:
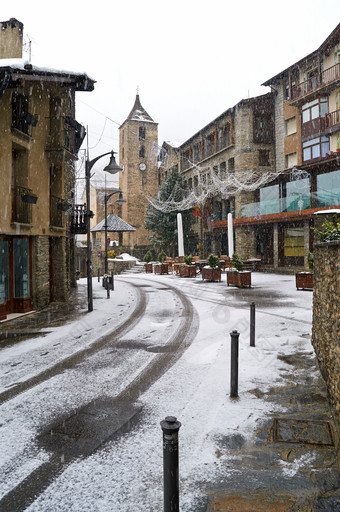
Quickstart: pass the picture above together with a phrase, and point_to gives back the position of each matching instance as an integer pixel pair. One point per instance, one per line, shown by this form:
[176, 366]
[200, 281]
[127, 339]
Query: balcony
[21, 210]
[79, 219]
[64, 134]
[327, 77]
[326, 124]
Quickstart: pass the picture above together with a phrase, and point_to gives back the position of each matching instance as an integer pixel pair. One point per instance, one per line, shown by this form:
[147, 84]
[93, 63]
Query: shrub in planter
[148, 264]
[187, 269]
[212, 272]
[111, 254]
[305, 280]
[161, 267]
[236, 276]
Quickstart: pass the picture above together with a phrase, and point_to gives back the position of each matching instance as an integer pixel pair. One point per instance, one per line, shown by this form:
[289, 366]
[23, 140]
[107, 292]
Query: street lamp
[120, 200]
[112, 168]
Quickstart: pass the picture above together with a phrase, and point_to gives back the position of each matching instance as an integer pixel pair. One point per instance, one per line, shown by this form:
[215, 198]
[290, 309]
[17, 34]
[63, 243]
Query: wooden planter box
[187, 270]
[161, 268]
[148, 268]
[211, 274]
[240, 279]
[304, 280]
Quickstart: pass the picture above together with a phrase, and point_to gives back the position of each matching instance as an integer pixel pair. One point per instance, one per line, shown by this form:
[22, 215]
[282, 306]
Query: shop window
[4, 271]
[21, 267]
[293, 242]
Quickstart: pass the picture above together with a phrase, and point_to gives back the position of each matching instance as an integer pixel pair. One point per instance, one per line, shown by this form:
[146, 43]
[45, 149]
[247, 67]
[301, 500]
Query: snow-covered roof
[23, 66]
[320, 212]
[114, 223]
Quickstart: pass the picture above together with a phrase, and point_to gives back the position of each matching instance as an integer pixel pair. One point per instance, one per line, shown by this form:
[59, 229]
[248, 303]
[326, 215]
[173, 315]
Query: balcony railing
[332, 119]
[326, 77]
[65, 133]
[78, 219]
[21, 210]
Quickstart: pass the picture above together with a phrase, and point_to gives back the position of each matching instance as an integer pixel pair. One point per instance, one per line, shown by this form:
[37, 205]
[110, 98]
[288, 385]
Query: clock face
[142, 167]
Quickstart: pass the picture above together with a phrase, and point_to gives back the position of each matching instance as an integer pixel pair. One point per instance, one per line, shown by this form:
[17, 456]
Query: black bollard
[234, 364]
[170, 427]
[252, 324]
[112, 280]
[98, 275]
[107, 287]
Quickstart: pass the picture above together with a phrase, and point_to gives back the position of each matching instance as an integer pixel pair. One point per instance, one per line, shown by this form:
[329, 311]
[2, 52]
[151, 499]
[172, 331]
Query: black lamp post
[120, 200]
[112, 168]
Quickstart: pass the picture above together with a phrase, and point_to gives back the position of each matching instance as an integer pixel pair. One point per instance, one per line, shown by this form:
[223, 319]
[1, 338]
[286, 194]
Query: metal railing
[328, 76]
[21, 210]
[63, 134]
[79, 219]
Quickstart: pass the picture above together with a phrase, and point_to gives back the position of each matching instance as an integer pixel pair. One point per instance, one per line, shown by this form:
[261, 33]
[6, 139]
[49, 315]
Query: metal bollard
[234, 364]
[170, 427]
[113, 283]
[252, 324]
[98, 275]
[107, 287]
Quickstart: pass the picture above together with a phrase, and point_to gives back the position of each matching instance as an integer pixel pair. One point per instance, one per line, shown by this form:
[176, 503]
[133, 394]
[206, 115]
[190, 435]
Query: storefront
[15, 275]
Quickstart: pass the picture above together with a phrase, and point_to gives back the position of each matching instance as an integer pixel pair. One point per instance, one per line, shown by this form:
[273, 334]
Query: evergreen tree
[163, 226]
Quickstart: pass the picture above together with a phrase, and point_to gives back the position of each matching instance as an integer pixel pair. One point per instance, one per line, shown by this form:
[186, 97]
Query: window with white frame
[315, 148]
[314, 109]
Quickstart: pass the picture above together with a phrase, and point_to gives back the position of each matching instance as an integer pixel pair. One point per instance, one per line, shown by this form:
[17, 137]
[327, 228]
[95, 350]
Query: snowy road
[159, 346]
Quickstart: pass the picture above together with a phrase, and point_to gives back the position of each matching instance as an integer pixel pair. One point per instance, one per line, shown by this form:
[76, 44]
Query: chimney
[11, 35]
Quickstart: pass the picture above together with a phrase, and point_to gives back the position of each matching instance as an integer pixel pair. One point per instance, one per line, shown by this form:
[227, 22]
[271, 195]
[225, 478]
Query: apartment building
[307, 151]
[40, 139]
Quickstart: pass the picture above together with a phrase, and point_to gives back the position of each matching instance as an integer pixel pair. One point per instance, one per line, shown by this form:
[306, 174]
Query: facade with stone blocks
[326, 312]
[40, 139]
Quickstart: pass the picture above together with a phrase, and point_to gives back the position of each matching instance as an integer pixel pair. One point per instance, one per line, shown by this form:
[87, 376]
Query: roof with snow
[138, 113]
[22, 68]
[114, 223]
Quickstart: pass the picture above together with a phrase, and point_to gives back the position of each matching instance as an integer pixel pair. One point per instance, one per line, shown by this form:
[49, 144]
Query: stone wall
[326, 316]
[40, 271]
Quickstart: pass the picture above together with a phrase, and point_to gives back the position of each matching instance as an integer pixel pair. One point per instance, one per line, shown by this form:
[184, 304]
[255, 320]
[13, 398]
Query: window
[185, 160]
[20, 113]
[196, 153]
[262, 128]
[291, 160]
[142, 133]
[290, 126]
[328, 189]
[141, 151]
[190, 183]
[315, 148]
[223, 171]
[264, 157]
[293, 242]
[210, 145]
[223, 137]
[231, 164]
[314, 109]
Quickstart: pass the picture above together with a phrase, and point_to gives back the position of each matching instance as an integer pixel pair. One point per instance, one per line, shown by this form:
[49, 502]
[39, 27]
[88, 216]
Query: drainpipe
[5, 83]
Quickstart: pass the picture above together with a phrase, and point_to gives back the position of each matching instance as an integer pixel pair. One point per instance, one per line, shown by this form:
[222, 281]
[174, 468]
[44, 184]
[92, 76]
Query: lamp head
[120, 199]
[113, 167]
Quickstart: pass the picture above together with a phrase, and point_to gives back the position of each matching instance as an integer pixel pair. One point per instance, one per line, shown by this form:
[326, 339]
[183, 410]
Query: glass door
[4, 271]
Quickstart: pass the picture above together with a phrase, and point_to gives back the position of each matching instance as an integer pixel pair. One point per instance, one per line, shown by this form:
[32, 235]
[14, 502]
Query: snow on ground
[126, 474]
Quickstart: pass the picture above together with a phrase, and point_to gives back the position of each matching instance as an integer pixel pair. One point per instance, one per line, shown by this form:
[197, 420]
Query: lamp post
[112, 168]
[120, 200]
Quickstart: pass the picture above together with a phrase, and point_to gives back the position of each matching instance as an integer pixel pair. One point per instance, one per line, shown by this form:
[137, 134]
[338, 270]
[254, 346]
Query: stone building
[138, 155]
[40, 139]
[237, 143]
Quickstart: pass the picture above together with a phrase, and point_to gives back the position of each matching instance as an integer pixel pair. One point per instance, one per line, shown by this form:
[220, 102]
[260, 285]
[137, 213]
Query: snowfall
[126, 474]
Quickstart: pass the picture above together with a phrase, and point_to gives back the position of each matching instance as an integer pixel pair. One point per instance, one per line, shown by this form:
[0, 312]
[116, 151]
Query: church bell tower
[138, 150]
